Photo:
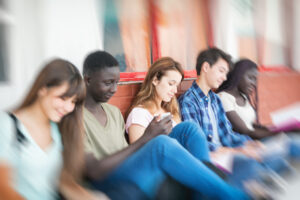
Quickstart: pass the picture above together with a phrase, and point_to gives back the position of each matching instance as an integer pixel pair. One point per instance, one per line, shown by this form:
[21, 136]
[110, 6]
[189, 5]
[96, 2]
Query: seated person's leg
[276, 162]
[120, 190]
[294, 146]
[147, 168]
[244, 168]
[278, 151]
[192, 138]
[171, 189]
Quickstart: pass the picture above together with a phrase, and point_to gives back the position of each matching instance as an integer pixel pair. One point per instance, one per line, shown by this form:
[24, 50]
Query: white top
[35, 171]
[246, 112]
[140, 116]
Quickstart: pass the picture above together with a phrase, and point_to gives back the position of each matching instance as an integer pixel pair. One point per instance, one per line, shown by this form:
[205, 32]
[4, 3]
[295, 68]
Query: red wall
[275, 90]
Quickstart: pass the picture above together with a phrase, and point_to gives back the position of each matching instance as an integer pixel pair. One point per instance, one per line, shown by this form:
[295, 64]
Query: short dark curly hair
[98, 60]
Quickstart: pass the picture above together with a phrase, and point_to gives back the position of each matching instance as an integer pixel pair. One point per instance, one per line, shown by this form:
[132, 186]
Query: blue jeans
[245, 168]
[178, 155]
[294, 146]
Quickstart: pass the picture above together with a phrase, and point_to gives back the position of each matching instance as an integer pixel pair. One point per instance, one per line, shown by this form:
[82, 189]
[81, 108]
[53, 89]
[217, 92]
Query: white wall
[223, 26]
[43, 29]
[71, 29]
[232, 19]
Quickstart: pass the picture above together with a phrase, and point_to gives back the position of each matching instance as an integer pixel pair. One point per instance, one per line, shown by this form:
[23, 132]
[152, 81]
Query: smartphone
[164, 115]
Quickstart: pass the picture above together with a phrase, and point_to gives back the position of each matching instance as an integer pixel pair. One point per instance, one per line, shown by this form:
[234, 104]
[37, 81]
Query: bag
[6, 191]
[20, 138]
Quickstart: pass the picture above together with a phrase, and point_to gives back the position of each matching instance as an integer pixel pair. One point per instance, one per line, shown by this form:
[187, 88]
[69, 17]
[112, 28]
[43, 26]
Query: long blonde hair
[147, 94]
[56, 73]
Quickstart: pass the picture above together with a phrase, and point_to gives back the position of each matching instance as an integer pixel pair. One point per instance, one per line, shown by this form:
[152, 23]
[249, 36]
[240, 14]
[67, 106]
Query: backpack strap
[19, 135]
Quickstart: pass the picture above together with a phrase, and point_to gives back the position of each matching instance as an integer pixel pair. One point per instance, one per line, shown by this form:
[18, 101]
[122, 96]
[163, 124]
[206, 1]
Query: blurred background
[137, 32]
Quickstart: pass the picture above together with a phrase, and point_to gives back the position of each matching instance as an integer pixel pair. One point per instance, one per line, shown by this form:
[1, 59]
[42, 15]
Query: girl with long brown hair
[156, 96]
[41, 140]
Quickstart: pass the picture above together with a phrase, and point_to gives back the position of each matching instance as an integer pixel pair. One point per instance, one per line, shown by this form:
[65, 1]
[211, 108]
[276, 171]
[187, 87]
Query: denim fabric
[294, 145]
[245, 168]
[177, 155]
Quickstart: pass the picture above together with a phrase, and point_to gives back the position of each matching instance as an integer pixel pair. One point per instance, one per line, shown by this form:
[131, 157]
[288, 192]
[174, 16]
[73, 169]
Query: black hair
[211, 56]
[236, 74]
[98, 60]
[234, 77]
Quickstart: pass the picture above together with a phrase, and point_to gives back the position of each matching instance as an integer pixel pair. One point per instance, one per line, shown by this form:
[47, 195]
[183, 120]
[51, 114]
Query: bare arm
[135, 131]
[250, 150]
[6, 190]
[220, 151]
[98, 169]
[239, 126]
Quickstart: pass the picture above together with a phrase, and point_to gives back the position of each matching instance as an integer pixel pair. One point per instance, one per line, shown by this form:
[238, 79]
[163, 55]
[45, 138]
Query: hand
[158, 127]
[256, 144]
[97, 195]
[259, 126]
[252, 149]
[252, 153]
[221, 151]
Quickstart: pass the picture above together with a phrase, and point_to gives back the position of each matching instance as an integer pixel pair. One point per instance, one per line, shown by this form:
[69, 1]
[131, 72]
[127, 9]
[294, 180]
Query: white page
[285, 114]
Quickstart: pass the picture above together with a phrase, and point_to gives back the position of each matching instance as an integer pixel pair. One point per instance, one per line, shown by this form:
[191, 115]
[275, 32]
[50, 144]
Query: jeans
[178, 155]
[245, 168]
[275, 160]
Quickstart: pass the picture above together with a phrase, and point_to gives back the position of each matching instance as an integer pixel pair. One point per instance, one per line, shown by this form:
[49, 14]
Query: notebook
[286, 119]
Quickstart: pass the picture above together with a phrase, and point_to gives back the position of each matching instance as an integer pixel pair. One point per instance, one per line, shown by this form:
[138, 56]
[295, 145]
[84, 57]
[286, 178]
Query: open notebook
[286, 119]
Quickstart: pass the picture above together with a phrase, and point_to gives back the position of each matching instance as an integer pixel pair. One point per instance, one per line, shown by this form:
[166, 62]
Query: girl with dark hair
[239, 98]
[41, 140]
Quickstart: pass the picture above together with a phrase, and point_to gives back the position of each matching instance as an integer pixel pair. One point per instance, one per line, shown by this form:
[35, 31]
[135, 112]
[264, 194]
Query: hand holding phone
[163, 115]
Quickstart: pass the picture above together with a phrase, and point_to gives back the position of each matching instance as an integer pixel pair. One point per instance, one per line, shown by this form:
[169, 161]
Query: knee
[163, 142]
[192, 128]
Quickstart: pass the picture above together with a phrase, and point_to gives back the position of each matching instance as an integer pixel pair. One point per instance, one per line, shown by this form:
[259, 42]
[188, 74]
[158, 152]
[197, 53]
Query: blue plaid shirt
[194, 107]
